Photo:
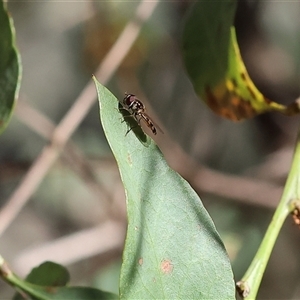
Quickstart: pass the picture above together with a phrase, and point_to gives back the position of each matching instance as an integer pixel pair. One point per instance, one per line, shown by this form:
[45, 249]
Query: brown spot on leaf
[141, 261]
[51, 289]
[244, 77]
[234, 82]
[267, 100]
[230, 105]
[251, 92]
[212, 101]
[166, 266]
[129, 159]
[235, 101]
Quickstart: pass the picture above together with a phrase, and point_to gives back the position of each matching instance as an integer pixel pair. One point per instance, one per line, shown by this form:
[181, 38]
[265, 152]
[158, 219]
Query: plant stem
[250, 282]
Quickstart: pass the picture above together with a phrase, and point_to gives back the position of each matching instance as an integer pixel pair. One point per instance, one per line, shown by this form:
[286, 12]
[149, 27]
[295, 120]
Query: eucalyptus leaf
[81, 293]
[47, 274]
[10, 67]
[46, 282]
[172, 249]
[213, 61]
[37, 292]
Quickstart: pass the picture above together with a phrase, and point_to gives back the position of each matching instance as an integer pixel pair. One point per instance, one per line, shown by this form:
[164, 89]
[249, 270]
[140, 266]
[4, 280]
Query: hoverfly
[137, 109]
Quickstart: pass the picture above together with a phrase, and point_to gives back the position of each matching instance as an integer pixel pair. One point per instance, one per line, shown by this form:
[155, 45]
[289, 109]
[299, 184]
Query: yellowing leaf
[215, 66]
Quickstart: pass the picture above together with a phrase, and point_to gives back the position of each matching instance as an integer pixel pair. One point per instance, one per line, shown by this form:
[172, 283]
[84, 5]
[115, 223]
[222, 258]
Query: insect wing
[150, 123]
[133, 107]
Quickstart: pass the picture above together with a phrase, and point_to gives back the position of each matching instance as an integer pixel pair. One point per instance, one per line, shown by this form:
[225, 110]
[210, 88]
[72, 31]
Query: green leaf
[81, 293]
[59, 293]
[47, 274]
[206, 40]
[51, 276]
[10, 66]
[215, 66]
[172, 250]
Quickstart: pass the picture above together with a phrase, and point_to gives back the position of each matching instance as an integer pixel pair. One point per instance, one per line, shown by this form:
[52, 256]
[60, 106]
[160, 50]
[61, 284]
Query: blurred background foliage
[61, 44]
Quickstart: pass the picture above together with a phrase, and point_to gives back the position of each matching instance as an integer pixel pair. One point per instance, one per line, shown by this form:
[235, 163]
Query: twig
[248, 286]
[84, 244]
[276, 165]
[241, 189]
[75, 115]
[72, 154]
[34, 119]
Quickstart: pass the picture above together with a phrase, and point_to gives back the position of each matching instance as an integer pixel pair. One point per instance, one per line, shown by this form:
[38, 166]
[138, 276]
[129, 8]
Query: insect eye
[129, 99]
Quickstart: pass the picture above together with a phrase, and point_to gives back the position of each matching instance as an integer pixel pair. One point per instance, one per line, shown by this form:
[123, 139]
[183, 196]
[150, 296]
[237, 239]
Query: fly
[137, 109]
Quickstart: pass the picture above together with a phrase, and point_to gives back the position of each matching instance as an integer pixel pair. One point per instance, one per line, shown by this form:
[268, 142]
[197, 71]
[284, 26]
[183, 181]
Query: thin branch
[34, 119]
[241, 189]
[73, 156]
[276, 165]
[84, 244]
[75, 115]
